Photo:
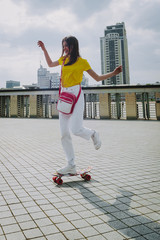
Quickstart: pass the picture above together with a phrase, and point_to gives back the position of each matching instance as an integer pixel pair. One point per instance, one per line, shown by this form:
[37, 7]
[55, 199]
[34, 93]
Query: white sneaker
[69, 169]
[96, 140]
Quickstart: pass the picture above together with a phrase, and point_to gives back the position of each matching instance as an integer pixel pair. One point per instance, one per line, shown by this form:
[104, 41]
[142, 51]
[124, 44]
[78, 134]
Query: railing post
[147, 106]
[20, 103]
[118, 106]
[27, 106]
[105, 105]
[131, 107]
[85, 109]
[143, 106]
[2, 106]
[7, 99]
[46, 106]
[39, 106]
[158, 105]
[14, 106]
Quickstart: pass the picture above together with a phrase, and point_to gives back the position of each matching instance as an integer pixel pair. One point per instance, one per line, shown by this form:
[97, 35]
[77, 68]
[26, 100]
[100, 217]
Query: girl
[72, 73]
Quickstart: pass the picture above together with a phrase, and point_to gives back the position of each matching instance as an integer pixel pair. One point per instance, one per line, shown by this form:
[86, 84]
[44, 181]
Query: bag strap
[78, 93]
[61, 81]
[61, 76]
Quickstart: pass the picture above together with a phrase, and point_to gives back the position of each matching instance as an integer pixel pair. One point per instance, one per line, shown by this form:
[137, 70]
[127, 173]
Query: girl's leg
[66, 144]
[76, 123]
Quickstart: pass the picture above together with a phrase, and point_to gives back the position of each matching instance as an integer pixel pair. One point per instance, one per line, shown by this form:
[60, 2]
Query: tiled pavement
[122, 201]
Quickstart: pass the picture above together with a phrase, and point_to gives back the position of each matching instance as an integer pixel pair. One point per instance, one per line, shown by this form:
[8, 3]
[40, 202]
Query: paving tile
[103, 228]
[154, 216]
[43, 222]
[155, 226]
[57, 236]
[7, 221]
[88, 231]
[47, 230]
[65, 226]
[15, 236]
[94, 220]
[80, 223]
[122, 200]
[11, 228]
[3, 237]
[120, 215]
[27, 225]
[152, 236]
[86, 214]
[129, 233]
[140, 238]
[117, 224]
[130, 222]
[113, 235]
[73, 234]
[73, 216]
[141, 229]
[23, 218]
[99, 237]
[58, 219]
[33, 233]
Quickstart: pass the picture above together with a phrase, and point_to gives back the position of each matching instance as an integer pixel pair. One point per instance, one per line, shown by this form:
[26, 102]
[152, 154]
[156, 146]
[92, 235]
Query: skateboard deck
[57, 178]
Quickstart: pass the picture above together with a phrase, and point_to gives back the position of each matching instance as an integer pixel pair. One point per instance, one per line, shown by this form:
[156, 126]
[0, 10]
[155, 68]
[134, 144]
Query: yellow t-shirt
[72, 75]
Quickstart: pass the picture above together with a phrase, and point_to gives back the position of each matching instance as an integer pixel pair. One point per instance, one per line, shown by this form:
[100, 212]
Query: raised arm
[98, 78]
[48, 59]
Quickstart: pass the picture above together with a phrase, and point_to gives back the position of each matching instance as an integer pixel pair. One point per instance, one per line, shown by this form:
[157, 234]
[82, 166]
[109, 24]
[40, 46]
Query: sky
[24, 22]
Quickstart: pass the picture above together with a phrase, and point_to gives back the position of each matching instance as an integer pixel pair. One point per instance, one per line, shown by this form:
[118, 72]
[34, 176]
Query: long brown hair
[73, 46]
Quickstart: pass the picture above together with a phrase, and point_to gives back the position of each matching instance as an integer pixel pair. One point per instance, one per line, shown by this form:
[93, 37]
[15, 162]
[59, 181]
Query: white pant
[73, 122]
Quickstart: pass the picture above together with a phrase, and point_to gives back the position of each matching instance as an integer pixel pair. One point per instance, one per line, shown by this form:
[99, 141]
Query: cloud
[23, 23]
[12, 17]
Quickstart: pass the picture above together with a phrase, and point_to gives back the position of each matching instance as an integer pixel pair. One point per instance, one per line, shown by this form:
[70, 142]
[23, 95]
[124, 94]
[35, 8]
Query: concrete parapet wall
[13, 106]
[131, 107]
[104, 102]
[55, 113]
[33, 105]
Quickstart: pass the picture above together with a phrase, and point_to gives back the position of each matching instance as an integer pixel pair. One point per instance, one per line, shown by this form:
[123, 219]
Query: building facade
[47, 79]
[52, 80]
[12, 84]
[114, 52]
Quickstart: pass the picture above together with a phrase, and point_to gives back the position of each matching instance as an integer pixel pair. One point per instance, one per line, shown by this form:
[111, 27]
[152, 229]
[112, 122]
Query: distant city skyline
[46, 79]
[23, 23]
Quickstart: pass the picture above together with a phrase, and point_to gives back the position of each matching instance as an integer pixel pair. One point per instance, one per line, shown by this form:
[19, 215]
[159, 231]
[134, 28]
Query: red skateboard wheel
[59, 181]
[87, 177]
[55, 179]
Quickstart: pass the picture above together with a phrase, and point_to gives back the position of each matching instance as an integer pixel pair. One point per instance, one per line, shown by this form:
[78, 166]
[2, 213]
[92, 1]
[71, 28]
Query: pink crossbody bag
[66, 101]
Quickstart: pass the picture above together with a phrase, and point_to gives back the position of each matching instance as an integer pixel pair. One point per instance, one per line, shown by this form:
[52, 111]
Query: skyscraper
[47, 79]
[114, 52]
[52, 80]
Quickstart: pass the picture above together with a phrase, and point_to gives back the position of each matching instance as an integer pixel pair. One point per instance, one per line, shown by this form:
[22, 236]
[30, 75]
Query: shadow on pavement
[119, 215]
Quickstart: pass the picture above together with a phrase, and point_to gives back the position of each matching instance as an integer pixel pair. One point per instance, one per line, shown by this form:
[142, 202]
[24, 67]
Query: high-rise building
[52, 80]
[12, 84]
[55, 79]
[114, 52]
[85, 81]
[47, 79]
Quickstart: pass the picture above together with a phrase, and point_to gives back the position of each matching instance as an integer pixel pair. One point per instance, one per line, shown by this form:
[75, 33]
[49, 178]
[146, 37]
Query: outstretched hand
[117, 70]
[41, 44]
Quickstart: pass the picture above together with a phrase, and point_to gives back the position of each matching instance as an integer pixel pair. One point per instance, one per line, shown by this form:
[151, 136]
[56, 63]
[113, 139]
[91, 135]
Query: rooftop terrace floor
[122, 200]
